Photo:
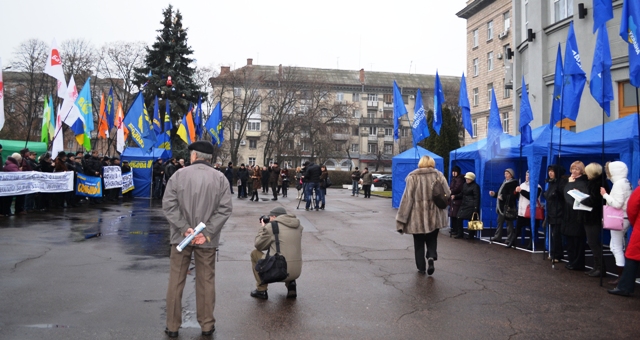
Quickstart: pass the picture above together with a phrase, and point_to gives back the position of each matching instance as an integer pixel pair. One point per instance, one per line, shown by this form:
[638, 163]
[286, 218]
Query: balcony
[372, 138]
[252, 133]
[388, 106]
[340, 136]
[376, 121]
[372, 104]
[388, 138]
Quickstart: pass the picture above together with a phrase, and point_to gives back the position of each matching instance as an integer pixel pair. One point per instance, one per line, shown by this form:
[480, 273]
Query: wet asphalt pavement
[359, 281]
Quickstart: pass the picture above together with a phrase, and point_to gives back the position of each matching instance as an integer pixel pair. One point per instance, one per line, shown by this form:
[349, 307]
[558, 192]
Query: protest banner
[89, 186]
[112, 176]
[30, 182]
[127, 182]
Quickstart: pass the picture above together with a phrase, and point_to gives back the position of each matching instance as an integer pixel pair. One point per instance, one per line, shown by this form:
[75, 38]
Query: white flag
[1, 97]
[120, 132]
[58, 142]
[70, 112]
[53, 67]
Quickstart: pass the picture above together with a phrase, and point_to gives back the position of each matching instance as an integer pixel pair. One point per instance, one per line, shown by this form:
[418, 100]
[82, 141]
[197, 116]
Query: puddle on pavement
[46, 325]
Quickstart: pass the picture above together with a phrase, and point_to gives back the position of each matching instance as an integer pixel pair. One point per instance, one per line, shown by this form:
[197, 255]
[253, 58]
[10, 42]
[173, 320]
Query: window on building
[355, 113]
[562, 9]
[388, 132]
[506, 18]
[489, 87]
[304, 146]
[252, 161]
[373, 148]
[237, 92]
[373, 130]
[388, 98]
[253, 143]
[505, 122]
[476, 67]
[339, 97]
[388, 149]
[476, 99]
[507, 91]
[372, 97]
[490, 30]
[356, 97]
[355, 148]
[626, 99]
[404, 132]
[474, 38]
[237, 126]
[525, 19]
[474, 127]
[355, 131]
[490, 61]
[505, 53]
[253, 125]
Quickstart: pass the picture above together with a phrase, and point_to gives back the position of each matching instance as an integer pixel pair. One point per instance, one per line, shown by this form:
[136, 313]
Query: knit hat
[470, 175]
[277, 211]
[456, 169]
[513, 173]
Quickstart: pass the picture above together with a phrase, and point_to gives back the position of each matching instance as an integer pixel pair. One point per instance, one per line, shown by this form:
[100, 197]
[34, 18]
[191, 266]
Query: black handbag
[510, 213]
[272, 268]
[438, 196]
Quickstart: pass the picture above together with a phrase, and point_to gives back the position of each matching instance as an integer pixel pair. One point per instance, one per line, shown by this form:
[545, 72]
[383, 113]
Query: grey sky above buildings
[405, 36]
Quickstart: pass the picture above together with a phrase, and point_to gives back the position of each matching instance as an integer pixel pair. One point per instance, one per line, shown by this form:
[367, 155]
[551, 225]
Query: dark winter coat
[243, 174]
[256, 180]
[456, 191]
[45, 165]
[228, 173]
[11, 165]
[595, 201]
[312, 173]
[573, 220]
[470, 200]
[158, 170]
[169, 170]
[274, 175]
[355, 176]
[323, 179]
[555, 196]
[507, 191]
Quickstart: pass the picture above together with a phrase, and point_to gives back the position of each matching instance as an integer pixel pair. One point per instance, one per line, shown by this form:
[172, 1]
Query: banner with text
[127, 182]
[112, 176]
[30, 182]
[89, 186]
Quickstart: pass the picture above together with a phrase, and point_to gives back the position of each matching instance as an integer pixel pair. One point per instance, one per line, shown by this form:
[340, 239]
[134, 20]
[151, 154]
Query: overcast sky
[390, 36]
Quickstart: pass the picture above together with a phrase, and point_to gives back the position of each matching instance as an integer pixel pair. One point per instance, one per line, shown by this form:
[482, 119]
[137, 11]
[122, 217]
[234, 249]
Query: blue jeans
[355, 188]
[311, 186]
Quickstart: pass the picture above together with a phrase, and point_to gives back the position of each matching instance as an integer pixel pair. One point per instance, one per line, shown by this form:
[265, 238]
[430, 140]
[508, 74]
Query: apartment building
[540, 27]
[361, 136]
[489, 63]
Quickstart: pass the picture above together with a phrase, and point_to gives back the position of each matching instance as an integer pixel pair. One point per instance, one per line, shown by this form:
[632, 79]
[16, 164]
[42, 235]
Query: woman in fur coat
[419, 216]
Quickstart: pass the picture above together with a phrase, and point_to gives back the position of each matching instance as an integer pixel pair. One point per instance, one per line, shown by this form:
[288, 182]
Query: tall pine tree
[169, 57]
[448, 139]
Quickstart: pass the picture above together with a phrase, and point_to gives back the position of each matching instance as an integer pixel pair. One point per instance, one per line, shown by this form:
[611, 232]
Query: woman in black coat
[593, 218]
[455, 186]
[573, 220]
[470, 203]
[555, 209]
[506, 199]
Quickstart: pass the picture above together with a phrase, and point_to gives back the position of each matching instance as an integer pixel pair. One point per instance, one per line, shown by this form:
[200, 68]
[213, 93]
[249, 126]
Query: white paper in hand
[189, 238]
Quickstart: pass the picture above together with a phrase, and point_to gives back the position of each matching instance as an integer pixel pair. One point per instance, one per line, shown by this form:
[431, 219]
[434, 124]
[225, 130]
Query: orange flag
[103, 126]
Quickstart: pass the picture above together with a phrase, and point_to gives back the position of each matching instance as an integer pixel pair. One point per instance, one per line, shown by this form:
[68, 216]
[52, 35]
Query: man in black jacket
[243, 176]
[311, 177]
[158, 175]
[273, 180]
[228, 173]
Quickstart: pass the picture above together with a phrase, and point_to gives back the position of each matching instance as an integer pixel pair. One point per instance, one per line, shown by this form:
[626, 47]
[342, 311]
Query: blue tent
[402, 164]
[142, 165]
[490, 173]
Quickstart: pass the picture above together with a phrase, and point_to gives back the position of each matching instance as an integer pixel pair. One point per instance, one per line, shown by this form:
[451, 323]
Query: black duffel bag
[272, 268]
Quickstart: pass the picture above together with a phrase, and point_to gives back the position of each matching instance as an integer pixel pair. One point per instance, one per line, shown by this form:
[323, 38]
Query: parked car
[375, 175]
[383, 181]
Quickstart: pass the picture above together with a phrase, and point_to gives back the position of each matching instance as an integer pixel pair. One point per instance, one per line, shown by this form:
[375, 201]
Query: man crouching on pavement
[194, 194]
[290, 237]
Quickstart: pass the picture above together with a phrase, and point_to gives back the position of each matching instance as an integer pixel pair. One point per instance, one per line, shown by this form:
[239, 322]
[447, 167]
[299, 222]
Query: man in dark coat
[243, 176]
[228, 173]
[158, 176]
[273, 180]
[311, 177]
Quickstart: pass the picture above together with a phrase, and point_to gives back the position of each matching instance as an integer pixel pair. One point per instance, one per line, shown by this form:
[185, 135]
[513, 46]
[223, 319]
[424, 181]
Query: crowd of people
[80, 163]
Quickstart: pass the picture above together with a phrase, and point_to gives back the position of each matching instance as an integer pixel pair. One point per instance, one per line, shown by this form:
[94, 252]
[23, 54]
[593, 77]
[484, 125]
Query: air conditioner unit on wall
[243, 142]
[499, 55]
[503, 35]
[412, 97]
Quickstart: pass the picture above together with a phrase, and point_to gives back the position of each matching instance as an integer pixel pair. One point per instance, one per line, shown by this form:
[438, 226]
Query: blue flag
[602, 12]
[495, 128]
[463, 102]
[157, 123]
[629, 32]
[399, 109]
[214, 125]
[574, 78]
[438, 100]
[526, 116]
[420, 128]
[600, 83]
[197, 120]
[111, 111]
[558, 80]
[139, 125]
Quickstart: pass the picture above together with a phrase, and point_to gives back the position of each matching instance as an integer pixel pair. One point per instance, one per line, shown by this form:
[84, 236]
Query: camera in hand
[264, 219]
